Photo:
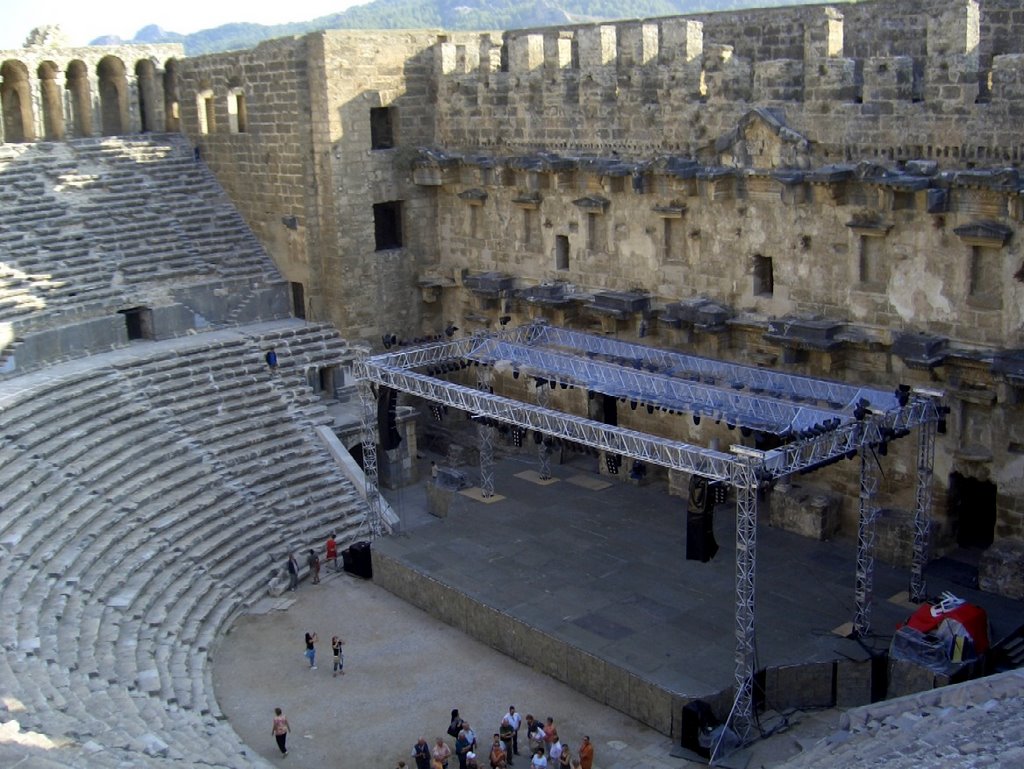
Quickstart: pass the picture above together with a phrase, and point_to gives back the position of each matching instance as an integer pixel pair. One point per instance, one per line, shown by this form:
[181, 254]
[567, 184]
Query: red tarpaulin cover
[973, 618]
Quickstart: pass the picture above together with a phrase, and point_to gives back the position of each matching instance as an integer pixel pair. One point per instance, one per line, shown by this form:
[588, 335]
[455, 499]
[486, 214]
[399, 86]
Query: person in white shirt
[515, 721]
[556, 750]
[539, 762]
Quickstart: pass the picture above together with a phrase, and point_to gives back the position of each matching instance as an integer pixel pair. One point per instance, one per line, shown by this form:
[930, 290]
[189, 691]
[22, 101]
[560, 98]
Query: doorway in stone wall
[972, 509]
[139, 322]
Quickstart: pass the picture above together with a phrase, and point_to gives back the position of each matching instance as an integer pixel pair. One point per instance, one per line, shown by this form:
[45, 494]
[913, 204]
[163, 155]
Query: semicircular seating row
[86, 221]
[148, 496]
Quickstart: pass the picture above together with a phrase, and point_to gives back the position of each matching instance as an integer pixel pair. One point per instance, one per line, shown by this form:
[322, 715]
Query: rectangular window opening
[382, 128]
[387, 225]
[764, 277]
[561, 252]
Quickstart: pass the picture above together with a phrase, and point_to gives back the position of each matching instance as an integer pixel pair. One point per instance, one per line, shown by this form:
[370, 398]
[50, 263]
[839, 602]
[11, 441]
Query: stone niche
[809, 511]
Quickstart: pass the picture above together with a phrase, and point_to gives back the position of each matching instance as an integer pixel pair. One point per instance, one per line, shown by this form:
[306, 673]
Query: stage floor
[600, 564]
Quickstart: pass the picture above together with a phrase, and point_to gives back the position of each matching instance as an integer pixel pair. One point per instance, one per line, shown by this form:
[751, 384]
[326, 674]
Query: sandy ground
[405, 671]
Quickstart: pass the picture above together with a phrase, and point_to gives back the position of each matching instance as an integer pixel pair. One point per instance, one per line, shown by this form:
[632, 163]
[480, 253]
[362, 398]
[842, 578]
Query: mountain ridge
[439, 14]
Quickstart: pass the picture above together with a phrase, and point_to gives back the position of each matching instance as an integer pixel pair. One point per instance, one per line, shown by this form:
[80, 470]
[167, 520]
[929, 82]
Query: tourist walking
[441, 752]
[538, 761]
[314, 566]
[311, 641]
[505, 733]
[332, 555]
[586, 753]
[280, 731]
[555, 751]
[462, 747]
[293, 572]
[565, 759]
[516, 721]
[497, 756]
[339, 658]
[455, 725]
[421, 753]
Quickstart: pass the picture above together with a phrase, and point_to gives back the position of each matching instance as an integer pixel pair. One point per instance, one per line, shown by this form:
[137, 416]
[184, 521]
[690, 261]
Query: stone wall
[831, 190]
[264, 160]
[52, 92]
[853, 76]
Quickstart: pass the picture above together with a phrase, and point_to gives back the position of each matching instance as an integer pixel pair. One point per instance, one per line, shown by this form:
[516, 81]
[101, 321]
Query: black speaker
[700, 520]
[356, 560]
[387, 428]
[610, 410]
[697, 717]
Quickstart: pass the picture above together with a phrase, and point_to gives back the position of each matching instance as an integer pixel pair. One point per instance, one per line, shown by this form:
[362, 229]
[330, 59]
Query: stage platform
[585, 579]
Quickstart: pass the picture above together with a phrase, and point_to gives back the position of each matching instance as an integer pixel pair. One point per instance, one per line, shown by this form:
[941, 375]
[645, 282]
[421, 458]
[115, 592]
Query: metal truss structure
[864, 590]
[374, 513]
[922, 508]
[485, 436]
[818, 422]
[543, 450]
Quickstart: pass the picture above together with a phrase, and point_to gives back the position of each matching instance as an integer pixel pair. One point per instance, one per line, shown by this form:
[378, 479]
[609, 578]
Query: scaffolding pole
[745, 482]
[374, 516]
[922, 508]
[543, 450]
[864, 590]
[485, 439]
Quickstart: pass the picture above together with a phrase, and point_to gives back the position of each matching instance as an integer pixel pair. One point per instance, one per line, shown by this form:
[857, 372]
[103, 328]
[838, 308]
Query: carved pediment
[762, 140]
[987, 234]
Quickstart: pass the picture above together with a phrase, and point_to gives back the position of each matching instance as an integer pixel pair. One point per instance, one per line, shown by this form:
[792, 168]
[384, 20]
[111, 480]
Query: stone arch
[206, 110]
[238, 115]
[76, 81]
[16, 99]
[52, 103]
[113, 96]
[145, 77]
[172, 116]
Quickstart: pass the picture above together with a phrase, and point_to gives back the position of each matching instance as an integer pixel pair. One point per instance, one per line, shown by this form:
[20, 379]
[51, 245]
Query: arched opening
[145, 78]
[238, 118]
[77, 84]
[113, 96]
[205, 111]
[16, 98]
[172, 118]
[53, 106]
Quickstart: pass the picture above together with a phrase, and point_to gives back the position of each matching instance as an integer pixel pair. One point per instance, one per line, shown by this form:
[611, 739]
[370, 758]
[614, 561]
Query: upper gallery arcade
[50, 91]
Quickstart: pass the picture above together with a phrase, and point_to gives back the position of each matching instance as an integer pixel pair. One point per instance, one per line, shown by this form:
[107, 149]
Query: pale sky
[83, 21]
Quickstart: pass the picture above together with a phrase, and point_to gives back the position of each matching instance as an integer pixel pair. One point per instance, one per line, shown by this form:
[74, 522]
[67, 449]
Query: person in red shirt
[332, 551]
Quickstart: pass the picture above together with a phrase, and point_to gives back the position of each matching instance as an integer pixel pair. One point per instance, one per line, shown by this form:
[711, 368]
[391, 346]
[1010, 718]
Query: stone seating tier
[102, 216]
[133, 537]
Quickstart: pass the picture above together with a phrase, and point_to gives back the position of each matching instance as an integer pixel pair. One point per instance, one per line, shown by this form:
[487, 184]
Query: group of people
[311, 640]
[313, 561]
[547, 751]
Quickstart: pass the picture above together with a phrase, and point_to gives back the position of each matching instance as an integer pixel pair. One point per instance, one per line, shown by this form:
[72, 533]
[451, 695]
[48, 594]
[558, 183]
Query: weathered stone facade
[831, 190]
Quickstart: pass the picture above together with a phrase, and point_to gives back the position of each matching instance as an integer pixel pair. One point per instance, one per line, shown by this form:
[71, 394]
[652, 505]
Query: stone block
[853, 683]
[1001, 569]
[907, 677]
[800, 686]
[809, 511]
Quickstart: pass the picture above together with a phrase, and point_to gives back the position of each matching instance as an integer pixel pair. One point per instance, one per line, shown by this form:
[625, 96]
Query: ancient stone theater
[828, 191]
